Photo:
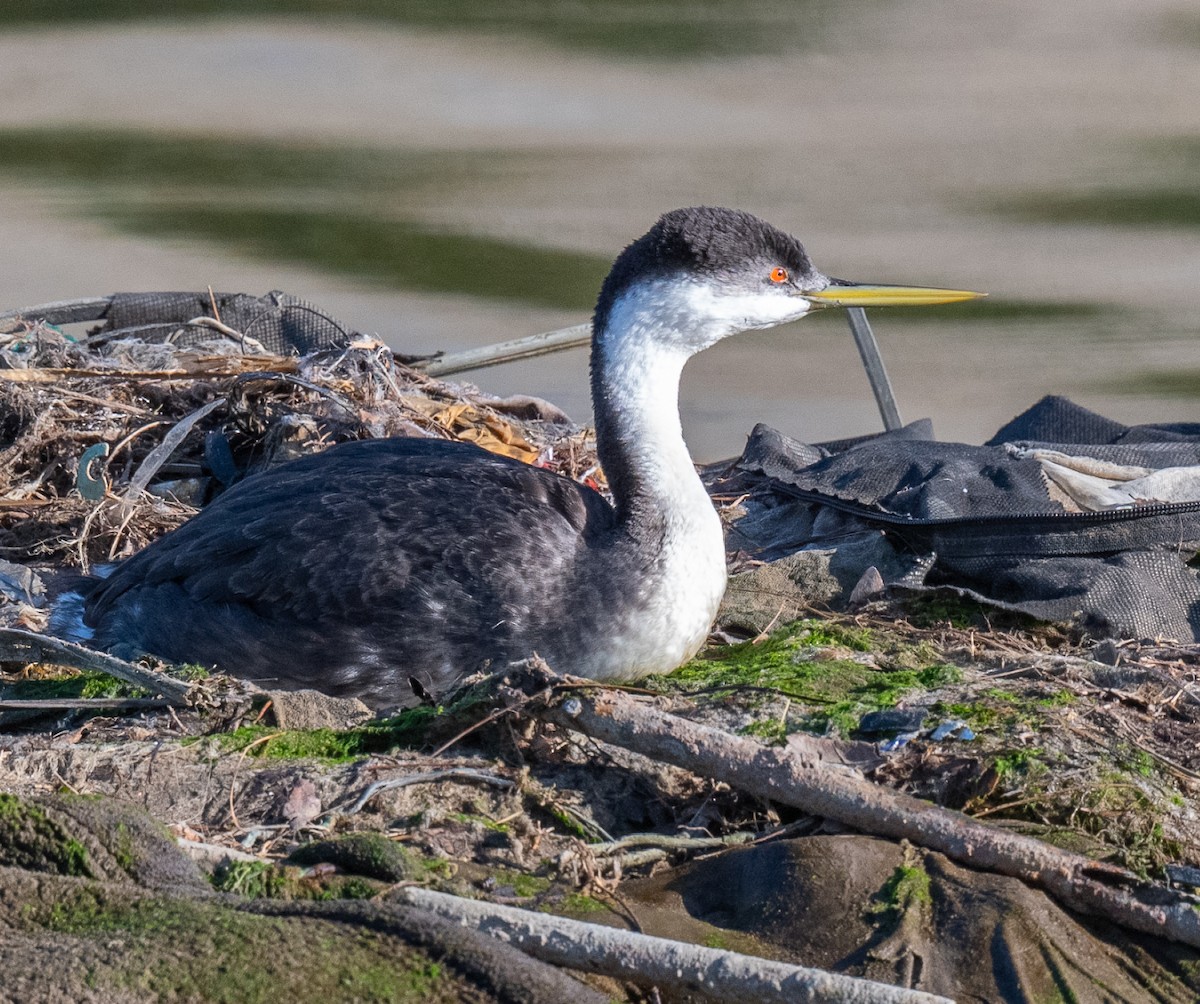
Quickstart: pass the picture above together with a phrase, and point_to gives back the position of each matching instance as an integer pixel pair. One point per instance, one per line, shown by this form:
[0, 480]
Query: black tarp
[982, 520]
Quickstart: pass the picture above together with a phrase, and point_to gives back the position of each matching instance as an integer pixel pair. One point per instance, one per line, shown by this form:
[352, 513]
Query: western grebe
[376, 563]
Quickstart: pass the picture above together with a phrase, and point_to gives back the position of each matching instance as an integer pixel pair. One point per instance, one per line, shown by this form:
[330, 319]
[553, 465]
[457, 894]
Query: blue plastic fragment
[898, 743]
[954, 729]
[90, 486]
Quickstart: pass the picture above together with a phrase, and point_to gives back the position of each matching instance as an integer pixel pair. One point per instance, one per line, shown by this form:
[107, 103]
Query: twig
[670, 842]
[216, 324]
[765, 633]
[296, 381]
[542, 797]
[84, 704]
[25, 646]
[721, 976]
[131, 437]
[238, 766]
[158, 456]
[428, 777]
[212, 299]
[213, 853]
[487, 720]
[1084, 885]
[111, 405]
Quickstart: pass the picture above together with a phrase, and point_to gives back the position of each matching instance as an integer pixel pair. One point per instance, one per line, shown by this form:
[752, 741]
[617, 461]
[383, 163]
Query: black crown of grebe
[376, 563]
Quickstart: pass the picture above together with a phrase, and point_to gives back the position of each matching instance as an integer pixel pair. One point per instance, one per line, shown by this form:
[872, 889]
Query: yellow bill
[852, 294]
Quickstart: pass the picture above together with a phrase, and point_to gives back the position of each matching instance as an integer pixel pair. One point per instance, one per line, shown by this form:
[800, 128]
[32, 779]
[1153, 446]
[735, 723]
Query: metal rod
[90, 308]
[872, 361]
[506, 352]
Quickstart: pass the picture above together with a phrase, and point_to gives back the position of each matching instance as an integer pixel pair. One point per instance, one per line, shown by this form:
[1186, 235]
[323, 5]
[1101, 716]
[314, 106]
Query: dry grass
[60, 397]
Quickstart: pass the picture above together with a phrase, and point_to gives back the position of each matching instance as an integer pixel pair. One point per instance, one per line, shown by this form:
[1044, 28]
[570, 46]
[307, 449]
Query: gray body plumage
[354, 569]
[379, 562]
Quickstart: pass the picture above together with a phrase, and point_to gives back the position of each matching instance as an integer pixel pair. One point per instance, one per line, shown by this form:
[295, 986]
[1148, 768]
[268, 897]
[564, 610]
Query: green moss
[77, 914]
[522, 883]
[74, 858]
[474, 819]
[578, 903]
[1059, 699]
[31, 840]
[70, 685]
[367, 853]
[241, 958]
[252, 879]
[1023, 765]
[772, 731]
[1118, 810]
[808, 662]
[1137, 761]
[353, 887]
[999, 711]
[563, 818]
[331, 745]
[273, 880]
[438, 867]
[907, 888]
[939, 609]
[122, 849]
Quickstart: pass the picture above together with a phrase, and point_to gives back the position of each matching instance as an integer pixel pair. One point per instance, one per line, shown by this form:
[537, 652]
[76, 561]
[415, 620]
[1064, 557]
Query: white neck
[635, 390]
[671, 534]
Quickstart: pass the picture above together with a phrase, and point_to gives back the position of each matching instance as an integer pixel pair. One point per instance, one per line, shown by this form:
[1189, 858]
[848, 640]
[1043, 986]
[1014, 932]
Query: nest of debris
[112, 437]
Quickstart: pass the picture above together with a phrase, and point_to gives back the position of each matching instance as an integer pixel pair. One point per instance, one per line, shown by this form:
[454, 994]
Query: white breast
[669, 613]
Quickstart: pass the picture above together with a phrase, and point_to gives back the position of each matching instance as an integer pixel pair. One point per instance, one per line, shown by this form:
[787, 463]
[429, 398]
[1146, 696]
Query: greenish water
[1183, 384]
[1158, 189]
[630, 28]
[149, 161]
[304, 205]
[389, 252]
[1155, 207]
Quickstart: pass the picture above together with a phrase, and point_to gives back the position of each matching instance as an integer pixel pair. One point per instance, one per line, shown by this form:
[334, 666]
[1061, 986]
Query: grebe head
[704, 273]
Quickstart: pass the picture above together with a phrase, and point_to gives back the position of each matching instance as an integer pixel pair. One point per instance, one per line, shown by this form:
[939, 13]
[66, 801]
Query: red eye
[779, 274]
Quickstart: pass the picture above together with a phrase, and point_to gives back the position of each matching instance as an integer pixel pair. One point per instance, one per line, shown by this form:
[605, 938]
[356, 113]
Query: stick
[428, 777]
[25, 646]
[84, 704]
[214, 854]
[1090, 887]
[573, 337]
[718, 975]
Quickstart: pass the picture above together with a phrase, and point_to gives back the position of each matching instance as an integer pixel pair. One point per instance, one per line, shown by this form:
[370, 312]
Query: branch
[1090, 887]
[25, 646]
[718, 975]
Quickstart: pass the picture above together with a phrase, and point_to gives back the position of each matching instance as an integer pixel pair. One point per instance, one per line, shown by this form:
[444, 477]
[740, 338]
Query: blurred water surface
[452, 176]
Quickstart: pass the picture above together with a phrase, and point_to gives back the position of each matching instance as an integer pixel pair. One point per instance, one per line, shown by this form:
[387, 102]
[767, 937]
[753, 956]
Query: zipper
[1092, 517]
